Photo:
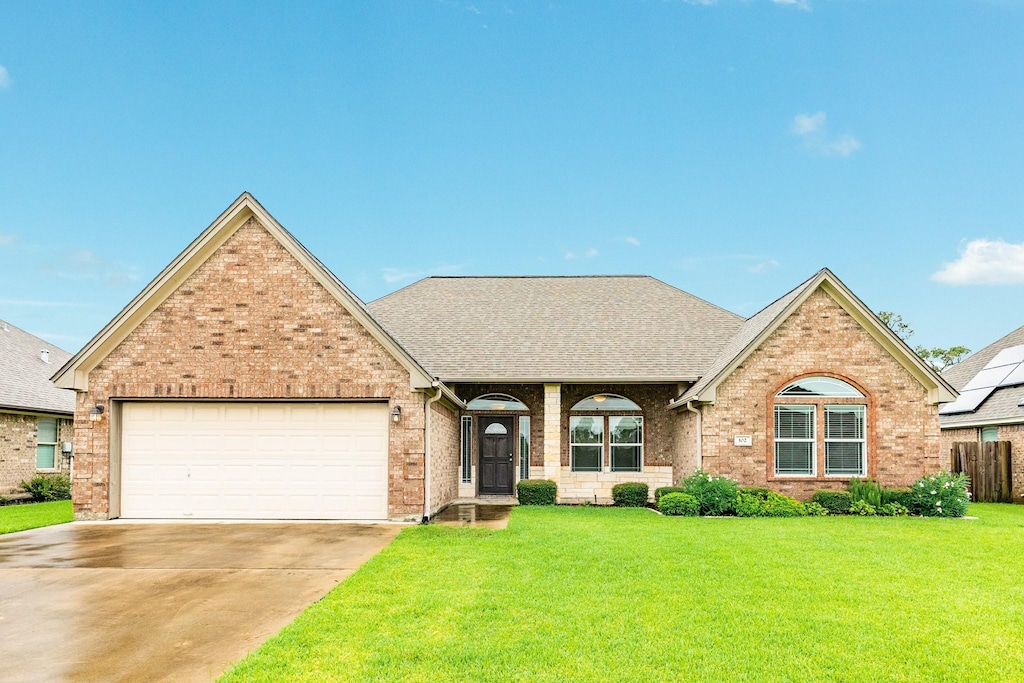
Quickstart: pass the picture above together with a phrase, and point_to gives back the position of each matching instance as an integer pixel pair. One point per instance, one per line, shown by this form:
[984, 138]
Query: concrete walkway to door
[113, 601]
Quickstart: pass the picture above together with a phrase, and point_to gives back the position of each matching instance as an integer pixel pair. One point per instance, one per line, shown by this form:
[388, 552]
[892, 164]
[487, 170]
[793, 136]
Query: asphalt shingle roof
[556, 328]
[24, 377]
[750, 331]
[1003, 404]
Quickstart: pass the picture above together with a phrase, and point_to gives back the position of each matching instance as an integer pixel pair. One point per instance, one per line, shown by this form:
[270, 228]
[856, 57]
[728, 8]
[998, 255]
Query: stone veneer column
[552, 431]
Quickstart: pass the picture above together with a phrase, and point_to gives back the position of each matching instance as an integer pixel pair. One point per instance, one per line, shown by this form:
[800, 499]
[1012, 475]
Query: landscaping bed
[597, 593]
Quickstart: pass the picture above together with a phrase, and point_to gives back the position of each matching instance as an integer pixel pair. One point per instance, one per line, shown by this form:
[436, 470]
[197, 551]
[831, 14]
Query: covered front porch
[586, 437]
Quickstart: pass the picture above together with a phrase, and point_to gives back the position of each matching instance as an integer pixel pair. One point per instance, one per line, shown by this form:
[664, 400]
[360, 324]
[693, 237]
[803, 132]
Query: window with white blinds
[845, 441]
[794, 440]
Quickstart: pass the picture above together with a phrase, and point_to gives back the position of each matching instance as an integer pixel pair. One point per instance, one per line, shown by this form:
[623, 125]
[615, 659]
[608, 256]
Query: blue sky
[729, 148]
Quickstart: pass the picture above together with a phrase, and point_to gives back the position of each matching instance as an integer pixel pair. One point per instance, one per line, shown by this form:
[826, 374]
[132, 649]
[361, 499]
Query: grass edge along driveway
[623, 594]
[34, 515]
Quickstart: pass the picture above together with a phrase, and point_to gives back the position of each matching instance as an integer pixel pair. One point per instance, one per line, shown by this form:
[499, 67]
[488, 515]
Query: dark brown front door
[496, 455]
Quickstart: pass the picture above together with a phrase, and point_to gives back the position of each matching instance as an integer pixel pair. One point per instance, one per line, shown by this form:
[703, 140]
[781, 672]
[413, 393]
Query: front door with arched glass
[497, 469]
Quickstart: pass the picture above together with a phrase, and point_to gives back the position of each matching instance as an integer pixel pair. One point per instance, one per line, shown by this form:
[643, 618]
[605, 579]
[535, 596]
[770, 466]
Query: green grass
[32, 515]
[588, 594]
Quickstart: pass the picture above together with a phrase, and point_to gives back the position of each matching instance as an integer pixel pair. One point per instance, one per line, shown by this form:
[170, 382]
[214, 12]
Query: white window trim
[778, 439]
[572, 444]
[466, 450]
[863, 441]
[56, 450]
[611, 460]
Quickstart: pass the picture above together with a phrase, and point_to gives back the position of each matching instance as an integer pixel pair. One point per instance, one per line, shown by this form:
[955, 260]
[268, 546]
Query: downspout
[700, 433]
[436, 385]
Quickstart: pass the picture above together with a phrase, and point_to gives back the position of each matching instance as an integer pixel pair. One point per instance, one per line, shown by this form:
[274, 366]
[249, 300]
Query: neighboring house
[246, 381]
[991, 402]
[35, 416]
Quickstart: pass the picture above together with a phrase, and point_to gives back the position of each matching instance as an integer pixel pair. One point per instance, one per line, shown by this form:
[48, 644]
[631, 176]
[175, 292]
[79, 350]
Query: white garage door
[254, 460]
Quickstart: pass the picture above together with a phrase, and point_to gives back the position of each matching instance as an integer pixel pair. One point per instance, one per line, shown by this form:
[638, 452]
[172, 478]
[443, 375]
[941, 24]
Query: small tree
[938, 357]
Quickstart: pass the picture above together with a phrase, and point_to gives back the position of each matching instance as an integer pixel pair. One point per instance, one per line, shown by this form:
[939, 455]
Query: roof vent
[5, 328]
[45, 355]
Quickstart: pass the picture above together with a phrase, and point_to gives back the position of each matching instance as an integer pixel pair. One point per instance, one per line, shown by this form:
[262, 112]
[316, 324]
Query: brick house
[35, 416]
[246, 381]
[991, 402]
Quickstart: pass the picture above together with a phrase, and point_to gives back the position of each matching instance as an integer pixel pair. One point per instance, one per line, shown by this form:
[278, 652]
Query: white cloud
[5, 77]
[85, 264]
[763, 266]
[590, 252]
[812, 129]
[393, 275]
[6, 240]
[798, 4]
[985, 262]
[631, 240]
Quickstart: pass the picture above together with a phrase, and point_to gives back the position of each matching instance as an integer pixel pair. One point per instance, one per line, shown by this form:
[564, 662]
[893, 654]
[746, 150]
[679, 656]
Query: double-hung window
[844, 441]
[794, 440]
[838, 448]
[626, 434]
[46, 444]
[586, 442]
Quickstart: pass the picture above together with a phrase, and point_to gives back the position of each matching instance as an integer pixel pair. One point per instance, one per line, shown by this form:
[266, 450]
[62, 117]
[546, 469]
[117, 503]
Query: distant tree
[938, 357]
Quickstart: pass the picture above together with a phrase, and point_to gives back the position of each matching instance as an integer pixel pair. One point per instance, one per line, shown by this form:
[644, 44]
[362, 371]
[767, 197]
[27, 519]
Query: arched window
[496, 402]
[802, 448]
[600, 441]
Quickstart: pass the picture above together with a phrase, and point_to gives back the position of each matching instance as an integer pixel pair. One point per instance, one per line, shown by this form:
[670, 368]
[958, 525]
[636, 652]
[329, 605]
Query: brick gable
[250, 322]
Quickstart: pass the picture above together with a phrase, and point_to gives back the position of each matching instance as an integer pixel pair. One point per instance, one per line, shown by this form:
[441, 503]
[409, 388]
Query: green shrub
[630, 494]
[815, 510]
[764, 503]
[51, 486]
[678, 504]
[716, 495]
[893, 510]
[866, 490]
[659, 492]
[862, 508]
[903, 496]
[941, 495]
[836, 502]
[537, 492]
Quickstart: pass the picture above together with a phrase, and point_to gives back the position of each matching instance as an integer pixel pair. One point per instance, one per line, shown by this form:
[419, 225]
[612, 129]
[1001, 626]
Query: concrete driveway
[114, 601]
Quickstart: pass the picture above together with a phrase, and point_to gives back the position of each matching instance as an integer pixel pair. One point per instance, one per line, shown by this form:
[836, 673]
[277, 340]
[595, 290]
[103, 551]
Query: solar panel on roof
[968, 401]
[1009, 356]
[990, 377]
[1014, 378]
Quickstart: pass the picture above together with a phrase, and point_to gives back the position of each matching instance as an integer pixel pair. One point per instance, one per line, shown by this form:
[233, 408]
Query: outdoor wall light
[96, 414]
[396, 414]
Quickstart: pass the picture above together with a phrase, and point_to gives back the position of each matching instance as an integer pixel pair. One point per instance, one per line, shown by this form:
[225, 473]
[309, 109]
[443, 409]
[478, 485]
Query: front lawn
[589, 594]
[31, 515]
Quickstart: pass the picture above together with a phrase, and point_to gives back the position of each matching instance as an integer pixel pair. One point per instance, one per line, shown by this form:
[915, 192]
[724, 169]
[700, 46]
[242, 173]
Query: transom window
[496, 402]
[606, 402]
[990, 433]
[821, 386]
[46, 444]
[801, 449]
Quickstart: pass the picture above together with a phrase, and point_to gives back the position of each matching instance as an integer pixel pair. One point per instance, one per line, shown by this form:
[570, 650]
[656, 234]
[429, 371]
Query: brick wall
[444, 455]
[687, 445]
[821, 338]
[18, 435]
[251, 322]
[1012, 433]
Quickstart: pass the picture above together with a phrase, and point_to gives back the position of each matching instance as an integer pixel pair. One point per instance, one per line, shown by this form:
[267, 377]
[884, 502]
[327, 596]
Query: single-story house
[247, 381]
[35, 416]
[991, 402]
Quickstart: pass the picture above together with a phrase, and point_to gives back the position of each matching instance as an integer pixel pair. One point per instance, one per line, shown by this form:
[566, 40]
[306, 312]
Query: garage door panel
[255, 460]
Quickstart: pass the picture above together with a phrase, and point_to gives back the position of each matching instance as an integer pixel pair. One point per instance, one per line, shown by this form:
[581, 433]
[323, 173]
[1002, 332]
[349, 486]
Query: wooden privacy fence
[988, 465]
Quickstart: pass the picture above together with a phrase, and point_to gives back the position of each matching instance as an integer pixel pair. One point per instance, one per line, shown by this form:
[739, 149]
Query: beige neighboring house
[35, 416]
[247, 381]
[991, 402]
